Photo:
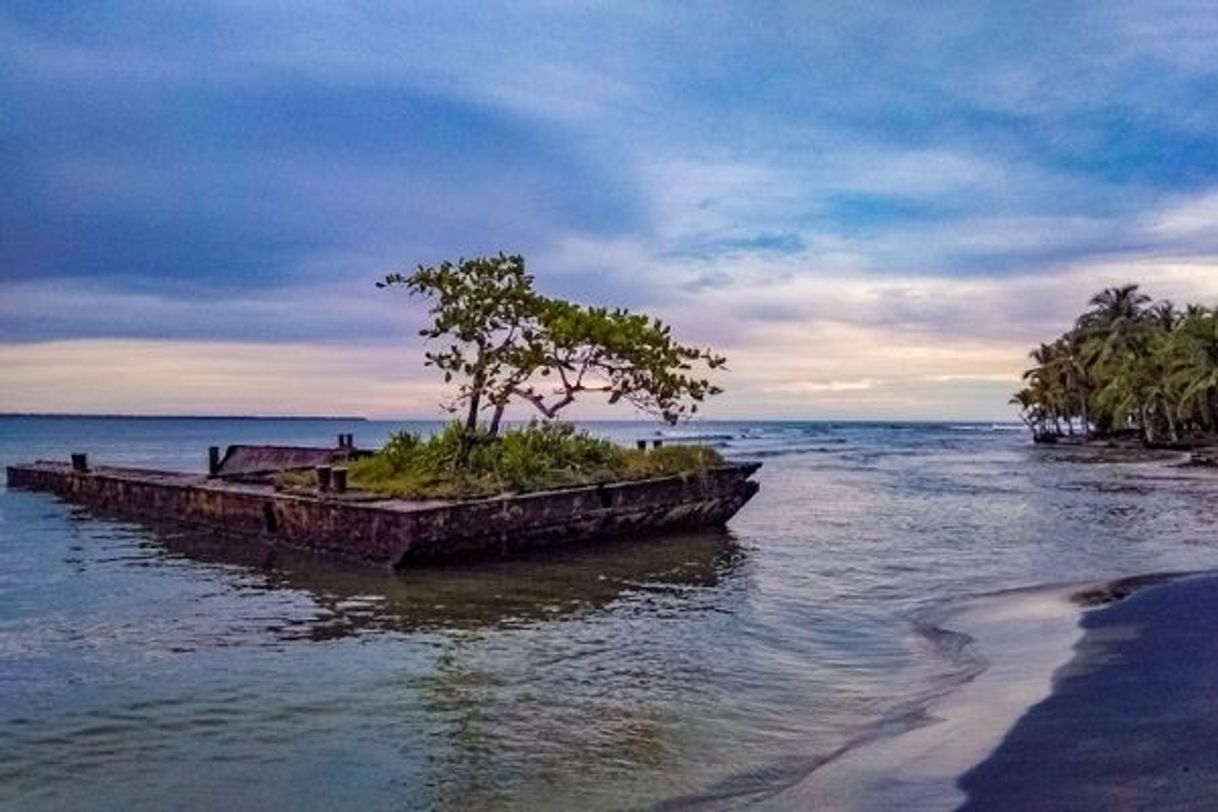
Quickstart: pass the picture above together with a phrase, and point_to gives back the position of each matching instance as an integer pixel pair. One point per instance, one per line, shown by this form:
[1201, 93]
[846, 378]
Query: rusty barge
[237, 499]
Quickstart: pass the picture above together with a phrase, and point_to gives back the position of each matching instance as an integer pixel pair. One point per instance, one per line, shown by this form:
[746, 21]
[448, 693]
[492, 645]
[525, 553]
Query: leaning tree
[504, 342]
[484, 315]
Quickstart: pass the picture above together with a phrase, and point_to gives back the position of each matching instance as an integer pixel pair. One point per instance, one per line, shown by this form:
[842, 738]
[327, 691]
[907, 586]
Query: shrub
[529, 458]
[679, 459]
[400, 449]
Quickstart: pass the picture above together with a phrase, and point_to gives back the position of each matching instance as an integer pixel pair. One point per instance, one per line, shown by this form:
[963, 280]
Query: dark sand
[1132, 722]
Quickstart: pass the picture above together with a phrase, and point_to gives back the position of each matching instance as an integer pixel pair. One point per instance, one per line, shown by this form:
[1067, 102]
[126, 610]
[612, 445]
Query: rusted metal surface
[258, 460]
[402, 533]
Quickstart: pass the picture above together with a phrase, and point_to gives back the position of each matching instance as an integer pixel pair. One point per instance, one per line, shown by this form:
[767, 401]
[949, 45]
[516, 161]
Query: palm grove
[1128, 366]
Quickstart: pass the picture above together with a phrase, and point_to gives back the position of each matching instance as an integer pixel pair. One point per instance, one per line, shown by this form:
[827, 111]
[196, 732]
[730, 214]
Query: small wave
[764, 453]
[981, 695]
[770, 782]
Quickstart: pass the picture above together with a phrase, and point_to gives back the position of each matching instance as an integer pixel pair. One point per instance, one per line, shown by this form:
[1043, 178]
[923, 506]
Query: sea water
[153, 668]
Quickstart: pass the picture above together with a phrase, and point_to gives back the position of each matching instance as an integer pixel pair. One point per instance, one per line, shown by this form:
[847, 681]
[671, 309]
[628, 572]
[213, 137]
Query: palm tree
[1059, 384]
[1127, 365]
[1164, 314]
[1078, 378]
[1194, 366]
[1112, 304]
[1045, 389]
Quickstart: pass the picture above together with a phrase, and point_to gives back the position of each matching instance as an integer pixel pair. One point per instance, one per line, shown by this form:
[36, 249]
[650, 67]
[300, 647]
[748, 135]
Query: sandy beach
[1088, 698]
[1132, 719]
[1015, 640]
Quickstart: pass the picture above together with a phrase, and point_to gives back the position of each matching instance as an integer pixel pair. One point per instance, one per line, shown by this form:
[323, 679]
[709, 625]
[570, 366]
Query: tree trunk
[1171, 426]
[496, 418]
[1148, 431]
[471, 418]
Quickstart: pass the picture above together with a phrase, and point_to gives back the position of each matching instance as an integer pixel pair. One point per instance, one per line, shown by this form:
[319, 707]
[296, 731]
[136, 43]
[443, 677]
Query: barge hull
[401, 533]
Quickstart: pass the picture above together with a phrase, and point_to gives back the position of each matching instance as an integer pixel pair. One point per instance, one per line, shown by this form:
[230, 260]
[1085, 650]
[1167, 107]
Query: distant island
[1130, 367]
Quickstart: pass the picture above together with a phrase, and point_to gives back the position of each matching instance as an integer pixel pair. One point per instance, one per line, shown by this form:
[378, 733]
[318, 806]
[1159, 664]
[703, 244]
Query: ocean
[153, 668]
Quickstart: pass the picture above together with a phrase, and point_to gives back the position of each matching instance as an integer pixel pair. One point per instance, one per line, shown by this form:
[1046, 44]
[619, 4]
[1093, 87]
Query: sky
[873, 209]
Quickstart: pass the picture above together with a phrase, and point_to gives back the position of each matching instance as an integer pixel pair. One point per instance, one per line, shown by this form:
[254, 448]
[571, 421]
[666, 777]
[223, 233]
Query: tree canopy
[502, 341]
[1128, 365]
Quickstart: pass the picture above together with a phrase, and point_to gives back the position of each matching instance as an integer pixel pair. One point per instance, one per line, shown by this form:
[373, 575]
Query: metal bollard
[80, 463]
[657, 443]
[323, 477]
[339, 480]
[641, 444]
[342, 441]
[213, 460]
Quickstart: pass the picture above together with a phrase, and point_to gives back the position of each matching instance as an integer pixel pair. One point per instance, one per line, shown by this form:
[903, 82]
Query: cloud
[905, 196]
[817, 387]
[1000, 377]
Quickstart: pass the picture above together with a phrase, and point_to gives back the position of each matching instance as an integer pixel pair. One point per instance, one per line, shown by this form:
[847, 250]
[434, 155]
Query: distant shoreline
[64, 416]
[1007, 425]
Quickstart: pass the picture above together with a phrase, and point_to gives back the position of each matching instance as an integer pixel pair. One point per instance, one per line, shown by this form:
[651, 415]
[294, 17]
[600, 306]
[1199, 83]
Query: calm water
[148, 669]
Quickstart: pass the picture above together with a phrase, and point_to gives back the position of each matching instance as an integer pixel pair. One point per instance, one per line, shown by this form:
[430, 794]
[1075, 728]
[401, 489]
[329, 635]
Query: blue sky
[872, 209]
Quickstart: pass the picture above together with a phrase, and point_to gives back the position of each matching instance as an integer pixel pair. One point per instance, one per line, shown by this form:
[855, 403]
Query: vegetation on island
[533, 457]
[1129, 366]
[501, 342]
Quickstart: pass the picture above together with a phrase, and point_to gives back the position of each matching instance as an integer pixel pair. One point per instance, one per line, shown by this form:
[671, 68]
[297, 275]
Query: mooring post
[323, 477]
[351, 441]
[657, 443]
[213, 460]
[342, 441]
[339, 480]
[642, 444]
[80, 462]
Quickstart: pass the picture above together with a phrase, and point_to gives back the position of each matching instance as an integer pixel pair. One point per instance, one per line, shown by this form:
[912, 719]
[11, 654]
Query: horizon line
[365, 419]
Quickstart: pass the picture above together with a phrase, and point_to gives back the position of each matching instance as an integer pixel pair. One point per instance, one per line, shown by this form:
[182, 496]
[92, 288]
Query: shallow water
[143, 668]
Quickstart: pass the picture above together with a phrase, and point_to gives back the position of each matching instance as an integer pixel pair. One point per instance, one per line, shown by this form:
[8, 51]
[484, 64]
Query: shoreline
[1018, 638]
[1197, 452]
[1130, 715]
[1024, 640]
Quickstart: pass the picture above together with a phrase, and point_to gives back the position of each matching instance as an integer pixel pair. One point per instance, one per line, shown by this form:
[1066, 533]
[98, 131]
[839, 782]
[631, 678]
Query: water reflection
[141, 667]
[485, 686]
[543, 586]
[525, 654]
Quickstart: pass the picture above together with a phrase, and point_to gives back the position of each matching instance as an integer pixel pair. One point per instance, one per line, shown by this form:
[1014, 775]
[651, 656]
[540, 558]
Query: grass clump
[536, 457]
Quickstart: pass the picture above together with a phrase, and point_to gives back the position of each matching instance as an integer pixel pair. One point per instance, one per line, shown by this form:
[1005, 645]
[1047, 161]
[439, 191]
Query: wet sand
[1018, 639]
[1096, 698]
[1132, 722]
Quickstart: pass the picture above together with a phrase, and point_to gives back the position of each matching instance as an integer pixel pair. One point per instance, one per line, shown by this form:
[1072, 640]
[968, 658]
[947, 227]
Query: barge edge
[393, 533]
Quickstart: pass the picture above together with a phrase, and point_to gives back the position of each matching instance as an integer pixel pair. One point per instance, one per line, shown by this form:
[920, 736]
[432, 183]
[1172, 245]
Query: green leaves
[502, 335]
[1128, 365]
[528, 458]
